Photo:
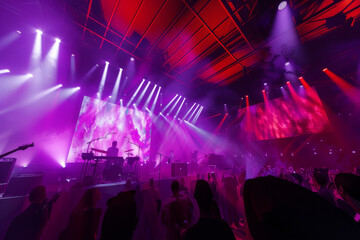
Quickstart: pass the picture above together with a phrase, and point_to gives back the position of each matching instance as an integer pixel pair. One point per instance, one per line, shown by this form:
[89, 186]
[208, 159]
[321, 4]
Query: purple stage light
[282, 5]
[96, 65]
[73, 55]
[287, 63]
[132, 59]
[18, 32]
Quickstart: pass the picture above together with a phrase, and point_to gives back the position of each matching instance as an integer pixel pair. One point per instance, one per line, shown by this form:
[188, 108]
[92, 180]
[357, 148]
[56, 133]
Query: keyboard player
[112, 151]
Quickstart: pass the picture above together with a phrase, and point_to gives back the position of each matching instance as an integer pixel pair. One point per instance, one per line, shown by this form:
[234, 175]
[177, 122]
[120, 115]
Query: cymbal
[129, 150]
[98, 150]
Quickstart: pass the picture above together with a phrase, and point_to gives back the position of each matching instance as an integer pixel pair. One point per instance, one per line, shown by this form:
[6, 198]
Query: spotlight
[282, 5]
[30, 75]
[300, 78]
[18, 32]
[4, 71]
[57, 40]
[77, 88]
[287, 63]
[263, 90]
[98, 94]
[325, 69]
[281, 87]
[265, 84]
[288, 82]
[301, 86]
[109, 96]
[73, 55]
[38, 31]
[106, 62]
[132, 59]
[97, 65]
[120, 100]
[60, 85]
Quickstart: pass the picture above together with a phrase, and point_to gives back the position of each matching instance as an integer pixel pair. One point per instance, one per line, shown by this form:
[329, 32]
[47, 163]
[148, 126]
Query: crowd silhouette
[277, 204]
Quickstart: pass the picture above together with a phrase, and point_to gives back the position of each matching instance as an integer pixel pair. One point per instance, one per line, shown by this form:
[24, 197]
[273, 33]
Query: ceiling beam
[109, 22]
[151, 23]
[87, 17]
[235, 21]
[167, 29]
[212, 33]
[132, 21]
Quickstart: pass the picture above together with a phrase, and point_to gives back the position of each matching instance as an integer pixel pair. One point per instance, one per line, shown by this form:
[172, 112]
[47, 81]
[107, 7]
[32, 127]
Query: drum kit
[114, 165]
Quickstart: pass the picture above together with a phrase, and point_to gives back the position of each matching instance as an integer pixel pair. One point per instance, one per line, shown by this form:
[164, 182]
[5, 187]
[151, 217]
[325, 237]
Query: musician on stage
[112, 151]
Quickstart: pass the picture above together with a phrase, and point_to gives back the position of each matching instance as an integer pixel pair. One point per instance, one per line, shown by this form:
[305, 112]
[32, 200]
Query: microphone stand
[161, 155]
[137, 146]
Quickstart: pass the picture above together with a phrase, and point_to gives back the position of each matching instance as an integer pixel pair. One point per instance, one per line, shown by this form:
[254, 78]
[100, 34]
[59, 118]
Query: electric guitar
[23, 147]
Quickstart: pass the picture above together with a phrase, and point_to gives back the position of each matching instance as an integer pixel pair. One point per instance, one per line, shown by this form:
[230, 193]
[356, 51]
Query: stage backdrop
[111, 122]
[295, 114]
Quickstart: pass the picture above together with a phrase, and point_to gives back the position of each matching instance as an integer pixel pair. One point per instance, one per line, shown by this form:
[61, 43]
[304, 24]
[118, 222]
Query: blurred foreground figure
[278, 209]
[210, 225]
[348, 185]
[177, 213]
[30, 223]
[85, 218]
[120, 217]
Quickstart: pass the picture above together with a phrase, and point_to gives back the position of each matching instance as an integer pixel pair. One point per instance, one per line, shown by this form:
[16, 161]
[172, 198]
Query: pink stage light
[155, 100]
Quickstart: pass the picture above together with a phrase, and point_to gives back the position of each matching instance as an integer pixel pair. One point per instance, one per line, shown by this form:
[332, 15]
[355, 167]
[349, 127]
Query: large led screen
[288, 116]
[102, 123]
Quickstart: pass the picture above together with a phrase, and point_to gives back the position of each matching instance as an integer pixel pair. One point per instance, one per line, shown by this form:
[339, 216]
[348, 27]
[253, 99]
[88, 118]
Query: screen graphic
[108, 122]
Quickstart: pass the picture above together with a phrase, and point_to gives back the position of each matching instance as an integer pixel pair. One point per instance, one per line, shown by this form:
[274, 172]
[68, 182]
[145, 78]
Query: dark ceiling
[201, 41]
[207, 44]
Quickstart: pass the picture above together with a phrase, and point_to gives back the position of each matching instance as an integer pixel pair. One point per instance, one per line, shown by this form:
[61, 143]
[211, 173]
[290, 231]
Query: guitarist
[30, 223]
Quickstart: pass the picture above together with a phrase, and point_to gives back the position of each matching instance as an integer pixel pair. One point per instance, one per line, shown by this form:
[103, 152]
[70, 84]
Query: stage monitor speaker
[6, 167]
[178, 169]
[22, 183]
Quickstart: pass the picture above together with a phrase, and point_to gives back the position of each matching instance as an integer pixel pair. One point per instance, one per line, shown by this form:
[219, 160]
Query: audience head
[91, 197]
[203, 195]
[128, 186]
[175, 187]
[151, 182]
[321, 178]
[114, 143]
[38, 194]
[348, 186]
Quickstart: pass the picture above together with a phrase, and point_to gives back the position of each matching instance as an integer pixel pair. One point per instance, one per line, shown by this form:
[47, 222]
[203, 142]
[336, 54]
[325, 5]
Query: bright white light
[18, 32]
[73, 55]
[77, 88]
[97, 65]
[287, 63]
[109, 96]
[60, 85]
[98, 94]
[132, 59]
[106, 62]
[301, 86]
[4, 71]
[30, 75]
[265, 84]
[57, 40]
[282, 5]
[38, 31]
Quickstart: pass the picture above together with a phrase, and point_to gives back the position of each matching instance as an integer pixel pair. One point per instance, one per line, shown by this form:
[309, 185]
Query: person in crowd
[279, 209]
[128, 185]
[120, 217]
[156, 193]
[183, 188]
[210, 225]
[321, 182]
[84, 219]
[231, 197]
[348, 186]
[177, 213]
[214, 184]
[30, 223]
